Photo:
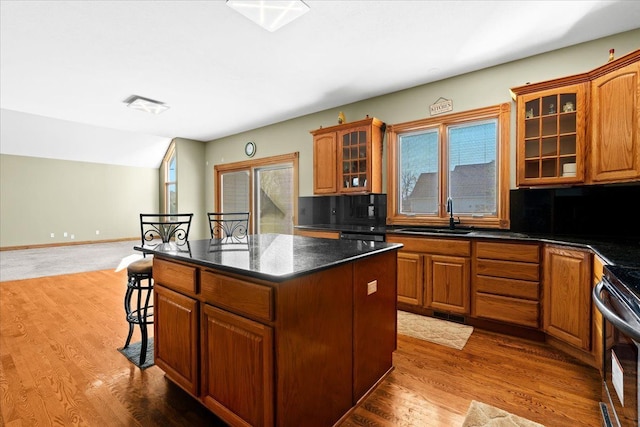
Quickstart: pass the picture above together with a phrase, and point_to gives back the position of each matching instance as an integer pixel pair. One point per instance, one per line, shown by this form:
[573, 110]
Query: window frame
[251, 166]
[501, 220]
[166, 161]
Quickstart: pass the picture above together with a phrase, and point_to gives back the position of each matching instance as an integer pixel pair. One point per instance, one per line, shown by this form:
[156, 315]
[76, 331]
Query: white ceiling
[77, 61]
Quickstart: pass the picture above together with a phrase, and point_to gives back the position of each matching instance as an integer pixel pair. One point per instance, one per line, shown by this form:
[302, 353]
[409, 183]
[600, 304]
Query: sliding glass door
[265, 187]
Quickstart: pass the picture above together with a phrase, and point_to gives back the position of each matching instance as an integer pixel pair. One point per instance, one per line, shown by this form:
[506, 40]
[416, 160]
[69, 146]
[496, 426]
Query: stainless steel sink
[433, 230]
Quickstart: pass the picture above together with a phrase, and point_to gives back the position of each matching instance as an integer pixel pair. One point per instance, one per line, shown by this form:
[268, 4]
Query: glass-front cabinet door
[354, 159]
[551, 136]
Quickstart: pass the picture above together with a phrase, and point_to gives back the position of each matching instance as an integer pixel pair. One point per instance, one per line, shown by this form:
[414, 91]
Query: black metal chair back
[165, 228]
[231, 226]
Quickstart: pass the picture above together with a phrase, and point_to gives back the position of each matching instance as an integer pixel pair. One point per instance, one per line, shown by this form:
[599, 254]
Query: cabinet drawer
[505, 309]
[433, 246]
[175, 276]
[508, 251]
[508, 287]
[507, 269]
[237, 295]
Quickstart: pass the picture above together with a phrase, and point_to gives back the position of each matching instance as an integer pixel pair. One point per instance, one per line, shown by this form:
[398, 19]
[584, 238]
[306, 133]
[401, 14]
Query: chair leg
[143, 347]
[127, 311]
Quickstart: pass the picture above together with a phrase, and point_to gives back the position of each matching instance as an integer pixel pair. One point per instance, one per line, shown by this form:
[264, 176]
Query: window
[462, 156]
[265, 187]
[170, 181]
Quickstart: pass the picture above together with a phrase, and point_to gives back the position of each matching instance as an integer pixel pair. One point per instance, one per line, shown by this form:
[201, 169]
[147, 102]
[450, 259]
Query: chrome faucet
[452, 222]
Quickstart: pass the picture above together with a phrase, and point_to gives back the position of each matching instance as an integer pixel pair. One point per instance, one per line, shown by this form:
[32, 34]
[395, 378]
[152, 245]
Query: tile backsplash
[361, 209]
[606, 211]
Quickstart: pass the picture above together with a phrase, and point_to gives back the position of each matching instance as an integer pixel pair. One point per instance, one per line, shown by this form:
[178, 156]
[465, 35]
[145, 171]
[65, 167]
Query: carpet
[133, 354]
[450, 334]
[482, 415]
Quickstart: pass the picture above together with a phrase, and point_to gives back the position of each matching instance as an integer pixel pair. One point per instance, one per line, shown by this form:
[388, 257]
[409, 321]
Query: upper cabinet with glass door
[551, 131]
[347, 158]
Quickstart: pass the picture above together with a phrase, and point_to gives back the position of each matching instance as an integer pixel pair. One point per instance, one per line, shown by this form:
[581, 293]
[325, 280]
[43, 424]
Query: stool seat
[141, 266]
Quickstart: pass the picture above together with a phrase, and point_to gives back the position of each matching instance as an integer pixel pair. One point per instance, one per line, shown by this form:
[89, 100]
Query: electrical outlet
[64, 234]
[53, 235]
[73, 236]
[372, 287]
[97, 232]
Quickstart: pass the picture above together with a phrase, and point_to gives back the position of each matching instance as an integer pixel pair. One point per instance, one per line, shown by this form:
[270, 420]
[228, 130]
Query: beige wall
[473, 90]
[191, 177]
[43, 196]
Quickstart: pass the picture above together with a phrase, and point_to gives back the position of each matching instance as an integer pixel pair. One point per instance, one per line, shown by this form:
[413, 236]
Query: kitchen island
[276, 329]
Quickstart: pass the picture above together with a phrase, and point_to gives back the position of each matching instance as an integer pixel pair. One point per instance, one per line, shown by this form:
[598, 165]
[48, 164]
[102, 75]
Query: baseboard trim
[52, 245]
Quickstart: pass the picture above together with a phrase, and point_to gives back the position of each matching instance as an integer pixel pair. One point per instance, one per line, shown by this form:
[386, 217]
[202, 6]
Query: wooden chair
[229, 226]
[154, 229]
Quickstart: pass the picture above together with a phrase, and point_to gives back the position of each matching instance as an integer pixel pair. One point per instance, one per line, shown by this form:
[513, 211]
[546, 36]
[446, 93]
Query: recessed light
[145, 104]
[271, 14]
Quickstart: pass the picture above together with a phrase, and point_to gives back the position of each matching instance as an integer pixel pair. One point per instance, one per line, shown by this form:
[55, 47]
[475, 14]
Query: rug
[483, 415]
[133, 354]
[450, 334]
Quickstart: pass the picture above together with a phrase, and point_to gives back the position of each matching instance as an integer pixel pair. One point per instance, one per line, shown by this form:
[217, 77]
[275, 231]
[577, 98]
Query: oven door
[620, 358]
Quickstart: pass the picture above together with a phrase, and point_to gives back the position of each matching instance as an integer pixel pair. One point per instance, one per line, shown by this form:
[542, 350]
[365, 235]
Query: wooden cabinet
[567, 295]
[410, 278]
[551, 135]
[317, 233]
[615, 125]
[506, 282]
[447, 283]
[241, 387]
[583, 128]
[597, 324]
[347, 158]
[434, 273]
[176, 337]
[263, 353]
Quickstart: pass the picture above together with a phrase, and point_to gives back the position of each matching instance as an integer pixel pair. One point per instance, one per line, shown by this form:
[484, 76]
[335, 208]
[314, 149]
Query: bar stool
[231, 226]
[155, 229]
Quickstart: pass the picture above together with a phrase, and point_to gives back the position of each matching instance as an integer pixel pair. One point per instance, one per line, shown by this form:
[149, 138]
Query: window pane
[472, 168]
[235, 191]
[172, 199]
[274, 196]
[418, 173]
[172, 169]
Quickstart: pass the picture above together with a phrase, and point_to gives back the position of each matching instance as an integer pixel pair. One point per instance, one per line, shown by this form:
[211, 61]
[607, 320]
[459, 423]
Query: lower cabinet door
[448, 283]
[176, 337]
[237, 368]
[410, 278]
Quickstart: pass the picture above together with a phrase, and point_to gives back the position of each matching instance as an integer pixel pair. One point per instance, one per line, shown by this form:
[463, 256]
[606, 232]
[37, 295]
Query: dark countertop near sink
[613, 251]
[273, 257]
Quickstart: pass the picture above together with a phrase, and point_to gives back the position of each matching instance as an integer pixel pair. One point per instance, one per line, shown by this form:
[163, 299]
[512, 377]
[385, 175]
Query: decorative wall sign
[442, 105]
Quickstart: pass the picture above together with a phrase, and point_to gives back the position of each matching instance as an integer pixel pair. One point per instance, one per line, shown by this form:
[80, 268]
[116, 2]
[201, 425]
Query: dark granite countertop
[273, 257]
[618, 252]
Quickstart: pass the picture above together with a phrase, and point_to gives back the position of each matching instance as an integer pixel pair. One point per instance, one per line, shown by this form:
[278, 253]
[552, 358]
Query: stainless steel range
[617, 297]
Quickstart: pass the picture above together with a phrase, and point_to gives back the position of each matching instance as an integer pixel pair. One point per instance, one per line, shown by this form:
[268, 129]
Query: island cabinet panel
[237, 385]
[567, 295]
[297, 351]
[176, 337]
[179, 277]
[314, 336]
[239, 296]
[374, 321]
[506, 282]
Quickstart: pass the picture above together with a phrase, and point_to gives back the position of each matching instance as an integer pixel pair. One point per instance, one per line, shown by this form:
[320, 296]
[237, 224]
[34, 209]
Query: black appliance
[354, 235]
[617, 297]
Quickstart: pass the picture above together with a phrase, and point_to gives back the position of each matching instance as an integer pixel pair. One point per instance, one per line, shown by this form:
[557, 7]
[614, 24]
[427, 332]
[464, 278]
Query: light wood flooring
[59, 367]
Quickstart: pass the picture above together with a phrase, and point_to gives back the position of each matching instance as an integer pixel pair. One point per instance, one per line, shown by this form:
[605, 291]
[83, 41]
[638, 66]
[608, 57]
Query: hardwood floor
[59, 366]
